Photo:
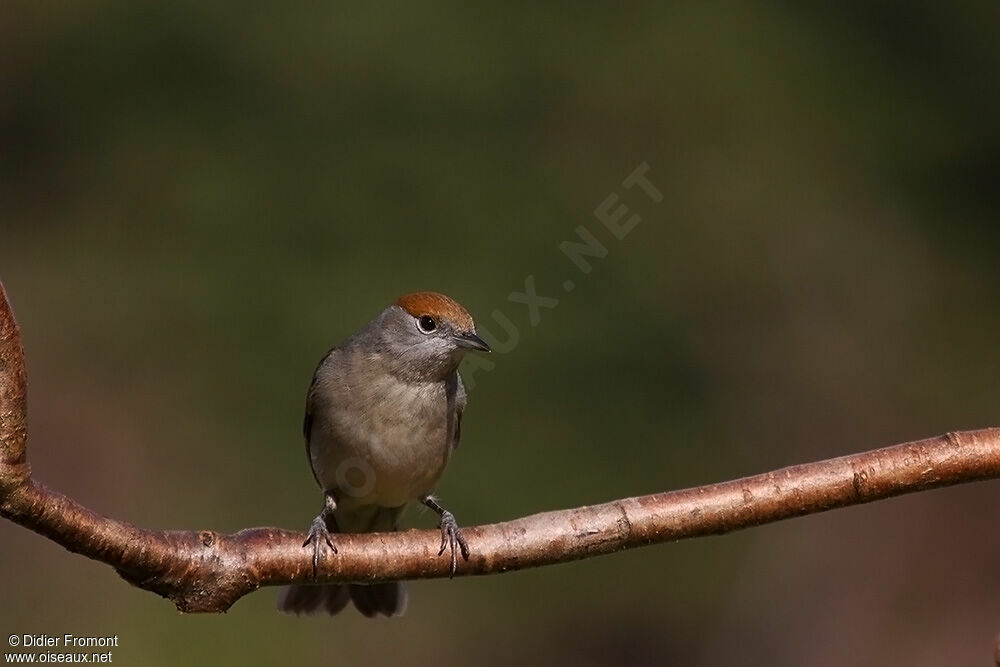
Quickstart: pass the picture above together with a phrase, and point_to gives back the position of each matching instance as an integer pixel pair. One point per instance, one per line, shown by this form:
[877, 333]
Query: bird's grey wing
[307, 420]
[461, 398]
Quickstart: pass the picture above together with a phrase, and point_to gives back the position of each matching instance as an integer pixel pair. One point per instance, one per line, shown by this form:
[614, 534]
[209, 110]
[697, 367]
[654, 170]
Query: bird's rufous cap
[438, 306]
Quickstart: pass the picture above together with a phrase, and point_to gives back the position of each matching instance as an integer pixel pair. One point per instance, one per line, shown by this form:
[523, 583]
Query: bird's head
[426, 334]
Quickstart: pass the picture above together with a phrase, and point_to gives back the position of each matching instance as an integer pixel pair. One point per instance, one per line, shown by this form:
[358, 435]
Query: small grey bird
[383, 416]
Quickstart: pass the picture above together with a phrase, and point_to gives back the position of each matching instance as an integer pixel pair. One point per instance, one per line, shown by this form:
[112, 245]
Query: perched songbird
[383, 415]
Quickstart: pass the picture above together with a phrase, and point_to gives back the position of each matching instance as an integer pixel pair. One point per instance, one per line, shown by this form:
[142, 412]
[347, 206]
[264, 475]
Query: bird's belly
[382, 458]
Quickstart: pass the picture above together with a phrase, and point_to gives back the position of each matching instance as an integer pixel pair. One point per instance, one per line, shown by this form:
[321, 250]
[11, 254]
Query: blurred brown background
[198, 199]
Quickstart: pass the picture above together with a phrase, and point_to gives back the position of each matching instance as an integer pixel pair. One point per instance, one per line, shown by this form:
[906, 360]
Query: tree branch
[208, 572]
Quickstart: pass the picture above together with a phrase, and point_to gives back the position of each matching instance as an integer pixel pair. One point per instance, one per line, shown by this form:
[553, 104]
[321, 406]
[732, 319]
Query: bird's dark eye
[427, 324]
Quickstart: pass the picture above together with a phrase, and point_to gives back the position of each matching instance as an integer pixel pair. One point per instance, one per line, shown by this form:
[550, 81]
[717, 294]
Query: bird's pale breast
[376, 439]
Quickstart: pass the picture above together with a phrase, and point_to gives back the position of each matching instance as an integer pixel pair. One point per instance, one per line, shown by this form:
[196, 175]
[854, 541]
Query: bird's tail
[387, 599]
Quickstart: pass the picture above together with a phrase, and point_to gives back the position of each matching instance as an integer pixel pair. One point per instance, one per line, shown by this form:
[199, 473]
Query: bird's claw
[318, 535]
[451, 538]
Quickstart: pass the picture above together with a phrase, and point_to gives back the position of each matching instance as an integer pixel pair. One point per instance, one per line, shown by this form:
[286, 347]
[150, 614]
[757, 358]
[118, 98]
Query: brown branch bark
[207, 572]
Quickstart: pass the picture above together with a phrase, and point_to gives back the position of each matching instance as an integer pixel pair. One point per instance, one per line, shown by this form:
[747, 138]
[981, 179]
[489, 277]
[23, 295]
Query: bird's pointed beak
[471, 341]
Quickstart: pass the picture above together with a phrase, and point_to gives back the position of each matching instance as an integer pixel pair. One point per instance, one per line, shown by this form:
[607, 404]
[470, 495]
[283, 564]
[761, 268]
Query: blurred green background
[198, 198]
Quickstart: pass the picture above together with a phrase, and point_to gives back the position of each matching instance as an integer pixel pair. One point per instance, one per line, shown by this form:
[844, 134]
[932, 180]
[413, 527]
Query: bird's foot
[451, 538]
[319, 535]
